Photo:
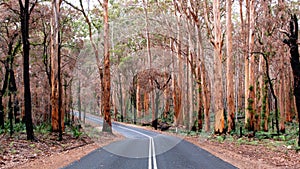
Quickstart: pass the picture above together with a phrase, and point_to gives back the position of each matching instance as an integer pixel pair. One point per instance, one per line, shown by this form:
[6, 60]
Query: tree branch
[32, 7]
[73, 6]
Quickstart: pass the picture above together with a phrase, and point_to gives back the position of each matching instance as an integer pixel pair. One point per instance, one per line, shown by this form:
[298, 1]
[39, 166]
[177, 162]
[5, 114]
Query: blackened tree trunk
[24, 17]
[295, 63]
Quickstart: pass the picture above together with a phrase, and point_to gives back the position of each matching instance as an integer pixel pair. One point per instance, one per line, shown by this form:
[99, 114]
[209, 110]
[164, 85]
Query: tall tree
[178, 89]
[250, 109]
[229, 71]
[216, 40]
[56, 99]
[106, 78]
[25, 17]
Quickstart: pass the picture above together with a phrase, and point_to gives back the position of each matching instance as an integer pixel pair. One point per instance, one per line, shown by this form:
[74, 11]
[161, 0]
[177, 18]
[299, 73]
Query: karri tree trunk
[218, 56]
[25, 17]
[56, 115]
[200, 93]
[281, 100]
[288, 96]
[205, 88]
[138, 101]
[230, 69]
[178, 86]
[250, 109]
[106, 74]
[190, 63]
[245, 32]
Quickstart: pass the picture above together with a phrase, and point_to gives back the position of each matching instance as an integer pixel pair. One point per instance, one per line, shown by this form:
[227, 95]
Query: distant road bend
[143, 149]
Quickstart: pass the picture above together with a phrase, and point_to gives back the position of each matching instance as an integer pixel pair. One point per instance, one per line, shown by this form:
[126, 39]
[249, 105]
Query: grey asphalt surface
[143, 149]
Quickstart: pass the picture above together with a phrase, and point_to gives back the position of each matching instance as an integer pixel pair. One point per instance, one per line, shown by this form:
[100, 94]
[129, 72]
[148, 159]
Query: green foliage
[192, 133]
[20, 127]
[221, 138]
[250, 101]
[43, 128]
[263, 135]
[76, 132]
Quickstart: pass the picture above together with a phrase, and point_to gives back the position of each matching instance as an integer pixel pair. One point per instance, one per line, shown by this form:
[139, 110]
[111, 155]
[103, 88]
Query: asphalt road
[143, 149]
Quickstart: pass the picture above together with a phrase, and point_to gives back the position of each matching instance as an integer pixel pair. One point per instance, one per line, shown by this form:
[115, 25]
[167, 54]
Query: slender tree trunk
[121, 96]
[146, 104]
[199, 92]
[25, 16]
[261, 111]
[206, 93]
[250, 113]
[55, 61]
[10, 114]
[287, 95]
[265, 106]
[282, 101]
[245, 32]
[79, 98]
[60, 111]
[155, 121]
[138, 101]
[106, 79]
[178, 89]
[167, 102]
[188, 95]
[230, 69]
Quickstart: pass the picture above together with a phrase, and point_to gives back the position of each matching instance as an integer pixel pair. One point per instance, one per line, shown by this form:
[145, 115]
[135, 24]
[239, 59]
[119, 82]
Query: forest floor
[250, 153]
[48, 153]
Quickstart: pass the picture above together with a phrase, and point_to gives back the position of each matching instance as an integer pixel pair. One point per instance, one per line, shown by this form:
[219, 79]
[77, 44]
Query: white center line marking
[154, 155]
[151, 147]
[149, 159]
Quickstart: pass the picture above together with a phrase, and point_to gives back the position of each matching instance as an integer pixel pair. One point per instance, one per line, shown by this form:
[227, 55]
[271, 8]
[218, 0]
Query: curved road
[144, 149]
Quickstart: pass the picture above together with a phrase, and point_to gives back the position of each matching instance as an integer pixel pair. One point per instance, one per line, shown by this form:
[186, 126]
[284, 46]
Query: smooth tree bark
[281, 97]
[204, 82]
[230, 69]
[177, 95]
[189, 75]
[218, 56]
[25, 17]
[201, 99]
[245, 32]
[216, 39]
[79, 99]
[138, 101]
[106, 100]
[250, 109]
[57, 116]
[288, 96]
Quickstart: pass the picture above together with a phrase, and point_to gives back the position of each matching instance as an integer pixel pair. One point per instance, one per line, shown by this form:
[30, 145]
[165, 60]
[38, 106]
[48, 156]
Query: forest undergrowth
[16, 151]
